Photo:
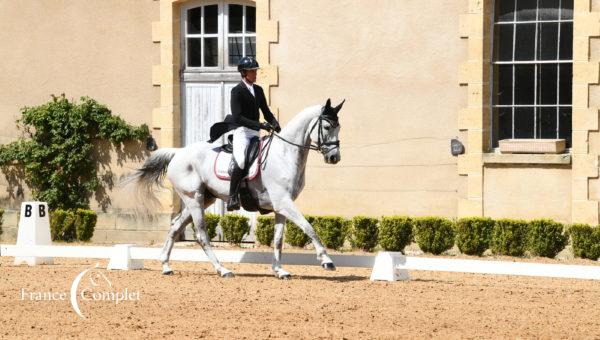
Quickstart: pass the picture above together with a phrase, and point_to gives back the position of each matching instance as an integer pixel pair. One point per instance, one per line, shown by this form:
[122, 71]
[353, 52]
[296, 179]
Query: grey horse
[190, 170]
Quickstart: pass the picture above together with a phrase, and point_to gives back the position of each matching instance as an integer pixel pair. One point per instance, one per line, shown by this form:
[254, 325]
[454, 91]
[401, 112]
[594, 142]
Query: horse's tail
[148, 178]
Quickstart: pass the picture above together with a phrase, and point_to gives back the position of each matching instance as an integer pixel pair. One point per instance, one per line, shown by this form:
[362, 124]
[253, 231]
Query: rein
[316, 147]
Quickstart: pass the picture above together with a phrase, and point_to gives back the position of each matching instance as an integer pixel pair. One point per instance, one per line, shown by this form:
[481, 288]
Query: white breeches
[241, 140]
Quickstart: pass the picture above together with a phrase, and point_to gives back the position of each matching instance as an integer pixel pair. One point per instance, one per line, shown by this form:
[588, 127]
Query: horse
[190, 171]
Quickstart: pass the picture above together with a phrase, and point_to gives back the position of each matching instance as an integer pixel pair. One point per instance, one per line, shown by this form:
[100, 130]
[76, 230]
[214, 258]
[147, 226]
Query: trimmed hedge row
[586, 241]
[473, 235]
[71, 225]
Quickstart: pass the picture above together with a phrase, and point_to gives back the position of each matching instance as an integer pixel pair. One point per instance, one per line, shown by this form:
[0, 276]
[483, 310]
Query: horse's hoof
[227, 275]
[328, 266]
[168, 272]
[285, 277]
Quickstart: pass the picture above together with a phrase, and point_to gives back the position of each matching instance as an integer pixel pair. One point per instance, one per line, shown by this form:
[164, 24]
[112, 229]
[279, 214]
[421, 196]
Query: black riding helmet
[247, 63]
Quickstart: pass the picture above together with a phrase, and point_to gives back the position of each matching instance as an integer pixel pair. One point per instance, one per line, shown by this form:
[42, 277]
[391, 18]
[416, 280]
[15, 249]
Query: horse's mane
[301, 118]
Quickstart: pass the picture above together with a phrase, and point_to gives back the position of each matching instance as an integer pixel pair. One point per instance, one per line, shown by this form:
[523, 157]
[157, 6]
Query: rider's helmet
[247, 63]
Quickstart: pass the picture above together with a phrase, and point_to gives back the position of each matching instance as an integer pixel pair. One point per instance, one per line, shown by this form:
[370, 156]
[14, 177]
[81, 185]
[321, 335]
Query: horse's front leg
[277, 247]
[290, 211]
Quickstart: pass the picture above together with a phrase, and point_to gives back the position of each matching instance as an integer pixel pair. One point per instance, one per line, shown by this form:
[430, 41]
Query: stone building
[415, 75]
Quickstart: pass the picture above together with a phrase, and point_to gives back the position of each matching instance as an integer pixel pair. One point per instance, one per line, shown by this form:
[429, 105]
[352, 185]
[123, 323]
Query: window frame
[493, 136]
[222, 35]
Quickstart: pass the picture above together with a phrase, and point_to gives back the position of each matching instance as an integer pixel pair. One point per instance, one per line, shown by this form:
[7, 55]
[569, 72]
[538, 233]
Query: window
[532, 69]
[218, 35]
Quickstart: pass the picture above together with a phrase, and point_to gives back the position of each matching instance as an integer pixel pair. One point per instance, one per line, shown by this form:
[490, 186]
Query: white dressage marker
[387, 267]
[120, 258]
[34, 230]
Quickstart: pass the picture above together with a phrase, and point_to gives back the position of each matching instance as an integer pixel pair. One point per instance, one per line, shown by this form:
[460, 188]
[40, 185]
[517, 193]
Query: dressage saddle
[247, 200]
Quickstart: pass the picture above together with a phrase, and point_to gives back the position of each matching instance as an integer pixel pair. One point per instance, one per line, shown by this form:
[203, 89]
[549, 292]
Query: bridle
[320, 141]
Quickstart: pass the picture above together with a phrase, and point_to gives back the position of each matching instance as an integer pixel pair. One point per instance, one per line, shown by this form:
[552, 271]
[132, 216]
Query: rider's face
[250, 76]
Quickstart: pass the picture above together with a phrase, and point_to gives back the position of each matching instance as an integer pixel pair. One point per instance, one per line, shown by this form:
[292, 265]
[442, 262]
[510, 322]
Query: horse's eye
[327, 128]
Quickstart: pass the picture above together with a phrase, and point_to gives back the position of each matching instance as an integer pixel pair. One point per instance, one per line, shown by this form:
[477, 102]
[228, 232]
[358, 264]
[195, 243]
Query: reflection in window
[533, 52]
[241, 33]
[219, 35]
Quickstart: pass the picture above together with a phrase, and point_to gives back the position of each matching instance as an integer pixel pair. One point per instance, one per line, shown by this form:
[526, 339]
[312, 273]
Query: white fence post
[386, 267]
[34, 230]
[120, 258]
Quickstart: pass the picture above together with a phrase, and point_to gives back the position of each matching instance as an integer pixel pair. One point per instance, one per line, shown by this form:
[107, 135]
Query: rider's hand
[276, 127]
[266, 126]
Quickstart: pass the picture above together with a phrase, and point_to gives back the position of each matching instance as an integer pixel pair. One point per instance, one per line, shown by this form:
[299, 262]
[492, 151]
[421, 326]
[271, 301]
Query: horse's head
[325, 132]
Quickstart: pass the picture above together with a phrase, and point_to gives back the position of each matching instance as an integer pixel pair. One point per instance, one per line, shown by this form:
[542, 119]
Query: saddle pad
[223, 160]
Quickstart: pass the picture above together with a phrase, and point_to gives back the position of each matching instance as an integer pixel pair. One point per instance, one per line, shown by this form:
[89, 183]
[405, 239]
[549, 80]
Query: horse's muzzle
[332, 157]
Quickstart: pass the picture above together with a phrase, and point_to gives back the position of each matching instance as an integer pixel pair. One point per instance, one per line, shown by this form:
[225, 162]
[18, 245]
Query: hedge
[546, 237]
[211, 221]
[395, 233]
[71, 225]
[332, 230]
[265, 230]
[586, 241]
[364, 232]
[510, 237]
[434, 234]
[85, 222]
[473, 234]
[62, 225]
[294, 236]
[234, 228]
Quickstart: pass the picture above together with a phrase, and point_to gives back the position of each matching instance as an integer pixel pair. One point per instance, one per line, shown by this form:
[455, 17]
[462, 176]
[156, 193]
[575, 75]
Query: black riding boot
[236, 175]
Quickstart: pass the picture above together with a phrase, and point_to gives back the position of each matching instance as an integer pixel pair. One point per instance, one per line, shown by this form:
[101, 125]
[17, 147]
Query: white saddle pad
[222, 166]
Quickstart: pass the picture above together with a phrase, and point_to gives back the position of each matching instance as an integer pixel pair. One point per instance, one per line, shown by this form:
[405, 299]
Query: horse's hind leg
[196, 208]
[177, 226]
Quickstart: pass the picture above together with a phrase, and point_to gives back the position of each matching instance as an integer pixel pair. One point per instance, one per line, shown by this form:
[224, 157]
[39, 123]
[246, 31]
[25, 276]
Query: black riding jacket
[244, 111]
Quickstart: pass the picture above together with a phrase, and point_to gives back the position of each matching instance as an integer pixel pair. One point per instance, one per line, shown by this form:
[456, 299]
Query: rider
[246, 99]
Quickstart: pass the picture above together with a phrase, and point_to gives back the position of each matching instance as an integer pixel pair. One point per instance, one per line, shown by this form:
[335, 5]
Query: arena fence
[34, 247]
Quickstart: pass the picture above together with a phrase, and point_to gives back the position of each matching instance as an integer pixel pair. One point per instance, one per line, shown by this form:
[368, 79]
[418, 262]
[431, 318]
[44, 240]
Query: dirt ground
[196, 303]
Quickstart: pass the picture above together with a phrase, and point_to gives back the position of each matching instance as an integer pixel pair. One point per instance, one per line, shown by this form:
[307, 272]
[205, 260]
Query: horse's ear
[328, 104]
[339, 107]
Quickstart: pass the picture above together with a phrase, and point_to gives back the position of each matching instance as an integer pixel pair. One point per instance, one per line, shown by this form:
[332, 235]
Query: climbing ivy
[55, 152]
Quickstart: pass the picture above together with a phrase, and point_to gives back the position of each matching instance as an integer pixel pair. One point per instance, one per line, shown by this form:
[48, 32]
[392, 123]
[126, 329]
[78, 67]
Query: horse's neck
[297, 131]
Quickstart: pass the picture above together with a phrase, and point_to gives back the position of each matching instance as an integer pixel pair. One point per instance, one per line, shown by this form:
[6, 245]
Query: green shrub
[62, 225]
[211, 221]
[395, 233]
[434, 234]
[473, 234]
[332, 230]
[265, 230]
[56, 152]
[85, 223]
[234, 228]
[586, 241]
[1, 219]
[363, 233]
[546, 237]
[294, 236]
[510, 237]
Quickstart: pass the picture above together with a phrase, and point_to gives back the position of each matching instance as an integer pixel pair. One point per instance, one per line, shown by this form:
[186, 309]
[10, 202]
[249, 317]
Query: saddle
[222, 169]
[225, 154]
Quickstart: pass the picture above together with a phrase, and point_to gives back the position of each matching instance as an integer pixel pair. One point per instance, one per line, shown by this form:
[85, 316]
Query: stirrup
[233, 203]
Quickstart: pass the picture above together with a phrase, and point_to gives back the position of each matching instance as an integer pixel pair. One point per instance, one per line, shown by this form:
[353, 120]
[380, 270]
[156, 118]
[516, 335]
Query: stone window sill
[515, 158]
